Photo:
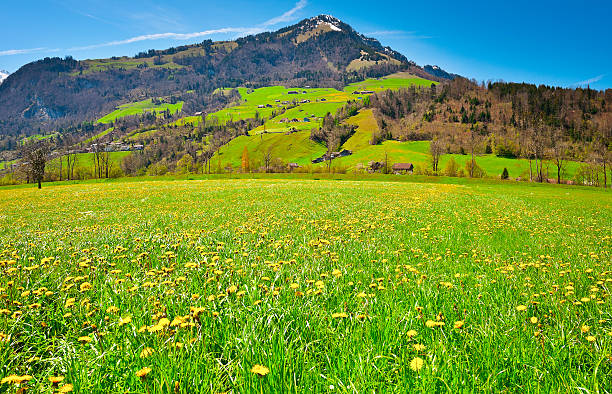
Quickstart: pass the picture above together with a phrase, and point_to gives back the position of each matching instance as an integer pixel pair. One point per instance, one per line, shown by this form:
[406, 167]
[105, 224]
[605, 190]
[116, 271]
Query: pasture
[305, 286]
[140, 107]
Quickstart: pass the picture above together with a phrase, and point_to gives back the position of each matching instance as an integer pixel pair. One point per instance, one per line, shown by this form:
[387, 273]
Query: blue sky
[564, 43]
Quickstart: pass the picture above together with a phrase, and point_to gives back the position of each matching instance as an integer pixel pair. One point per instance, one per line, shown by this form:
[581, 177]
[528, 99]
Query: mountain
[438, 72]
[322, 51]
[3, 75]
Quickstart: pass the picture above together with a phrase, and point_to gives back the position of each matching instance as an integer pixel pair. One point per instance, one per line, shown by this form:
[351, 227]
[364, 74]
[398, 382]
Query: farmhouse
[402, 168]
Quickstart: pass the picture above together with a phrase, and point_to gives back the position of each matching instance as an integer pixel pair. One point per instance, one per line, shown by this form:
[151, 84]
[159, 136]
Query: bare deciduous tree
[558, 151]
[436, 149]
[36, 158]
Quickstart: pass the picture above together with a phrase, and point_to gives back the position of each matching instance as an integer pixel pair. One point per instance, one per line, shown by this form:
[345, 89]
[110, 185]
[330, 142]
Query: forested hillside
[55, 93]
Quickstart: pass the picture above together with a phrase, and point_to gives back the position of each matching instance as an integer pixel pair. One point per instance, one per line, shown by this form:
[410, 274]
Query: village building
[402, 168]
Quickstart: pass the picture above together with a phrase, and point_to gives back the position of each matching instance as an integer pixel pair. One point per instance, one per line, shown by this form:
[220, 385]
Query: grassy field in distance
[304, 285]
[140, 107]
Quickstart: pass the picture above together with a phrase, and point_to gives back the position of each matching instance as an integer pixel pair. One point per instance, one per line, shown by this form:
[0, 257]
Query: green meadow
[140, 107]
[303, 285]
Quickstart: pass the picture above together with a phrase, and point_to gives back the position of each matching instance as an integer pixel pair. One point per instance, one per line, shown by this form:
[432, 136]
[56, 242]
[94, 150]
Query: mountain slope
[321, 51]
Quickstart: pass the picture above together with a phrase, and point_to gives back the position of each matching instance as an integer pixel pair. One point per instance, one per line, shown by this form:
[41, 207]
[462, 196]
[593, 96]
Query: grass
[322, 100]
[388, 83]
[140, 107]
[99, 135]
[39, 137]
[293, 147]
[299, 148]
[366, 126]
[125, 63]
[350, 286]
[417, 153]
[6, 164]
[85, 163]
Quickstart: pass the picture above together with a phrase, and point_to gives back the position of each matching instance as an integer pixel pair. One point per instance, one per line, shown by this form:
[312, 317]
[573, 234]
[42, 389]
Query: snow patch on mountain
[3, 75]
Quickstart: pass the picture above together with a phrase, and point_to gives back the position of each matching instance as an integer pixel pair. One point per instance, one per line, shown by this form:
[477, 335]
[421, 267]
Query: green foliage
[185, 164]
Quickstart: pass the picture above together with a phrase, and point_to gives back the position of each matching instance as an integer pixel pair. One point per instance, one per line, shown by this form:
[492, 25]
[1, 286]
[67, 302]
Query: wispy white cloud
[285, 17]
[161, 36]
[10, 52]
[589, 81]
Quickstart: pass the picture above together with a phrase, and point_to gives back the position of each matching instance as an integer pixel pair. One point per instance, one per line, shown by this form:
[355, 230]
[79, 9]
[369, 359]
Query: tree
[105, 164]
[36, 159]
[71, 160]
[436, 148]
[268, 159]
[245, 160]
[185, 164]
[505, 174]
[559, 152]
[474, 143]
[601, 147]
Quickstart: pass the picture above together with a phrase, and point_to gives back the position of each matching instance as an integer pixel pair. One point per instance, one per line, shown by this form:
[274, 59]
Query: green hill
[140, 107]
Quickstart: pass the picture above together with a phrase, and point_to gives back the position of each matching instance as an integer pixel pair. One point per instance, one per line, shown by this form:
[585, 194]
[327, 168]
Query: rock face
[320, 51]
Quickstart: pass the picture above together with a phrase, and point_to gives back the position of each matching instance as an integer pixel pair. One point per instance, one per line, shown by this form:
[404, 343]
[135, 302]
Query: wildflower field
[305, 286]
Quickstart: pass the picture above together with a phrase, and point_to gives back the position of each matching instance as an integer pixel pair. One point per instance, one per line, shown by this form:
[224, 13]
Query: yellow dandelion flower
[16, 379]
[533, 320]
[591, 338]
[416, 364]
[411, 333]
[143, 372]
[56, 379]
[418, 347]
[459, 324]
[67, 388]
[85, 339]
[521, 308]
[146, 352]
[260, 370]
[339, 315]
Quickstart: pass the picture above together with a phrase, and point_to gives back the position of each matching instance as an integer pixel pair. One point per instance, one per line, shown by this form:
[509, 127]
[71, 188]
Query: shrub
[505, 174]
[451, 168]
[478, 171]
